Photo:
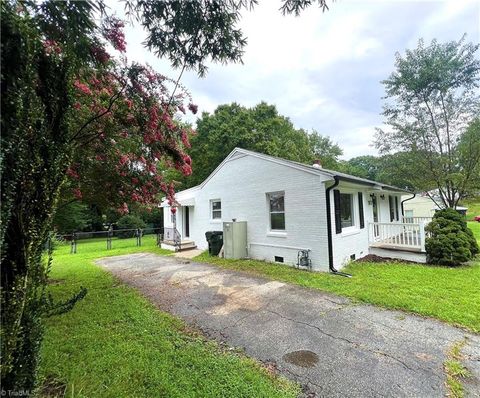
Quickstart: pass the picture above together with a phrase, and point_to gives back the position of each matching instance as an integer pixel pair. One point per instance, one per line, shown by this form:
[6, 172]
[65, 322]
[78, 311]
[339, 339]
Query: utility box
[235, 239]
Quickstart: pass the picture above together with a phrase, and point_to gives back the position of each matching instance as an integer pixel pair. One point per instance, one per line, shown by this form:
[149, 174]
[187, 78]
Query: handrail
[416, 220]
[397, 235]
[171, 234]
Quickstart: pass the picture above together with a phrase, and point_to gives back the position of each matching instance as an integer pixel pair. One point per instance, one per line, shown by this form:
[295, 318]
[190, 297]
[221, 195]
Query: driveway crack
[355, 344]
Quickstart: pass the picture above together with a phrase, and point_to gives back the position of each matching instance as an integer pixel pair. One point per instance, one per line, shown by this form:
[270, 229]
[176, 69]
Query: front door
[375, 215]
[187, 222]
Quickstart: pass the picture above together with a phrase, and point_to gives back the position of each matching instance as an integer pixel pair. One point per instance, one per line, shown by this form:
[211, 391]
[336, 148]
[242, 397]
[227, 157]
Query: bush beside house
[450, 242]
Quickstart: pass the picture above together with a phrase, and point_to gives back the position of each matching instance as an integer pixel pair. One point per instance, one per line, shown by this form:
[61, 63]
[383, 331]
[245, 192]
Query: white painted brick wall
[356, 242]
[242, 185]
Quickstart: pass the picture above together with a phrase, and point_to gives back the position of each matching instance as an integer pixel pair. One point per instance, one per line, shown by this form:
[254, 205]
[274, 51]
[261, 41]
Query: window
[277, 211]
[408, 216]
[278, 259]
[216, 209]
[173, 218]
[346, 210]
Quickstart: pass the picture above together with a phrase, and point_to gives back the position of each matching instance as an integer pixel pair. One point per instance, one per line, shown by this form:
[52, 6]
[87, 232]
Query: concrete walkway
[333, 347]
[188, 254]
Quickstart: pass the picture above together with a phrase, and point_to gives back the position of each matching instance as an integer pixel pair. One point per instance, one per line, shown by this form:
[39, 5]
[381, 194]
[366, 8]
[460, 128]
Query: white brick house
[285, 206]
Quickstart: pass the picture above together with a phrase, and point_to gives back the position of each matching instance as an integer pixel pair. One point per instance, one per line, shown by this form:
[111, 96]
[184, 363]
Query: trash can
[215, 241]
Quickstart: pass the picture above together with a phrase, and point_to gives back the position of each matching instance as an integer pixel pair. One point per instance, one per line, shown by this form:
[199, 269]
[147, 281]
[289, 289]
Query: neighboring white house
[289, 207]
[425, 204]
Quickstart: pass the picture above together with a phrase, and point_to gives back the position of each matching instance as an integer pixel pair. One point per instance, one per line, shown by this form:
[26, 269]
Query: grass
[455, 371]
[473, 206]
[475, 227]
[114, 343]
[448, 294]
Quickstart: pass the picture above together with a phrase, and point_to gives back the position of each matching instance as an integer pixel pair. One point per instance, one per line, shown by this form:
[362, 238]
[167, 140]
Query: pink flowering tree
[77, 118]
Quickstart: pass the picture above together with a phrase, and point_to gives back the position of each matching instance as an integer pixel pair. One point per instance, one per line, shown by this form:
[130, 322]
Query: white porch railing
[397, 235]
[416, 220]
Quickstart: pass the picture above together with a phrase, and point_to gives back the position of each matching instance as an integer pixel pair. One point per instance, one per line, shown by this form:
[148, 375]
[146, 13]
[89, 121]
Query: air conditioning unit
[235, 239]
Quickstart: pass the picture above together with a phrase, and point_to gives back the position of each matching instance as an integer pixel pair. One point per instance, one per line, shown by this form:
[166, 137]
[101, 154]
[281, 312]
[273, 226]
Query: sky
[323, 70]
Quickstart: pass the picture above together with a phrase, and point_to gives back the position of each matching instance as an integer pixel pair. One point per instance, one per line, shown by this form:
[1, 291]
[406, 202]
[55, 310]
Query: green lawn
[473, 206]
[114, 343]
[449, 294]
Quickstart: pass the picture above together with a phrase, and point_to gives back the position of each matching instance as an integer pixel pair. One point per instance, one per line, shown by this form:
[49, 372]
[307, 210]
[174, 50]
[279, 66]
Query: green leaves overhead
[261, 129]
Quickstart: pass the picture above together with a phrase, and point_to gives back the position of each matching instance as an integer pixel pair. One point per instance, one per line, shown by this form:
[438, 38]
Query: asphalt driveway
[332, 346]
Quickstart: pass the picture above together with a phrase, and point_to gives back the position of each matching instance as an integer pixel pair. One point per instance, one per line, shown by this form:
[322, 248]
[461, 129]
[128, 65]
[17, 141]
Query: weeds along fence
[113, 238]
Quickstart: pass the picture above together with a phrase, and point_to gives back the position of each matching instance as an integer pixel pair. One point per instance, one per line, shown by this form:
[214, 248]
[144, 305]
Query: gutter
[329, 231]
[406, 200]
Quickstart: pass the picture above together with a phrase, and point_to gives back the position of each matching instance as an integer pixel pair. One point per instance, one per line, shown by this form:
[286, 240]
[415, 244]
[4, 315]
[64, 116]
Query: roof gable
[238, 153]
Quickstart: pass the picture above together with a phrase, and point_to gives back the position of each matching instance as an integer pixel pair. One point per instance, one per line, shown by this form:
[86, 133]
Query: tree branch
[112, 100]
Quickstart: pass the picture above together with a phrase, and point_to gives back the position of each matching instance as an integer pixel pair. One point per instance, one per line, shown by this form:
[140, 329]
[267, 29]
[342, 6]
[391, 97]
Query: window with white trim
[216, 209]
[346, 210]
[276, 203]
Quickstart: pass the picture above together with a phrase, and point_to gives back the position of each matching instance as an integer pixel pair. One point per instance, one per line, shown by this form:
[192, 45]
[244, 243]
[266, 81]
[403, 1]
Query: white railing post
[422, 235]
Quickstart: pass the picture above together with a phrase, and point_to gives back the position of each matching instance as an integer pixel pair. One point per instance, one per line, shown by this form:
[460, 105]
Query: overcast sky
[323, 70]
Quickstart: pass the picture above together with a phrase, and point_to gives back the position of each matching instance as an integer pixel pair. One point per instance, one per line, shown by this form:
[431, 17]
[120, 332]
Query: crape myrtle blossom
[129, 129]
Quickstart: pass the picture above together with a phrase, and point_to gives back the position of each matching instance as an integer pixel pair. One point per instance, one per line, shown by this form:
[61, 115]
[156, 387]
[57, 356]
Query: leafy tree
[129, 221]
[260, 129]
[323, 149]
[64, 95]
[468, 155]
[193, 32]
[368, 166]
[72, 217]
[432, 97]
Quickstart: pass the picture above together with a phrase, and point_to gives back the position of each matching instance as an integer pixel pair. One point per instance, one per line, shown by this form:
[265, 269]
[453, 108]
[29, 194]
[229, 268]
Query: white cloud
[323, 70]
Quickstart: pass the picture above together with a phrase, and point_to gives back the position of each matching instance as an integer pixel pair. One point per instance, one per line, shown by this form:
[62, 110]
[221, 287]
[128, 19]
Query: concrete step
[187, 245]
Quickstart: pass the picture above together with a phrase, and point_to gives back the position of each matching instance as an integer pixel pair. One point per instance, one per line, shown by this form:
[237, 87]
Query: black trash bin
[215, 242]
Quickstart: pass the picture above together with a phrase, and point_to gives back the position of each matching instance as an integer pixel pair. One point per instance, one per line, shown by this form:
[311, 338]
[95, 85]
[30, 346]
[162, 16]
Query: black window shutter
[392, 211]
[360, 210]
[338, 217]
[396, 209]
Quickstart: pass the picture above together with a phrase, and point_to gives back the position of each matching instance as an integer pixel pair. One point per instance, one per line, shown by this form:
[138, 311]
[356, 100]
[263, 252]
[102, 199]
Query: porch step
[187, 245]
[184, 245]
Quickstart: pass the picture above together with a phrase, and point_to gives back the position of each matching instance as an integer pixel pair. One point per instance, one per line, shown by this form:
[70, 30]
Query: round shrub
[450, 242]
[454, 215]
[129, 222]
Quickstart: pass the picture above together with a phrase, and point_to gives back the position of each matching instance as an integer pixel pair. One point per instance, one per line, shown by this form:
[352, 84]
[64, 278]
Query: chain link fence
[113, 238]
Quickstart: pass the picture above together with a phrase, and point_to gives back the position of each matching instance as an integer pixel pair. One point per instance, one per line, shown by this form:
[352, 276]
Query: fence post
[73, 248]
[109, 238]
[422, 235]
